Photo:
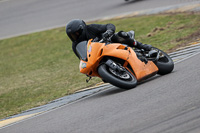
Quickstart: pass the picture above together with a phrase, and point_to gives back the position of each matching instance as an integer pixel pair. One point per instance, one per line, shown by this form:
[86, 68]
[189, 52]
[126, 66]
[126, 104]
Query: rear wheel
[123, 80]
[165, 64]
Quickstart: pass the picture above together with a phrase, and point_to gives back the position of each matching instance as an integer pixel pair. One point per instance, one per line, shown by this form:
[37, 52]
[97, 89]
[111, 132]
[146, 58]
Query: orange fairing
[93, 55]
[141, 69]
[96, 51]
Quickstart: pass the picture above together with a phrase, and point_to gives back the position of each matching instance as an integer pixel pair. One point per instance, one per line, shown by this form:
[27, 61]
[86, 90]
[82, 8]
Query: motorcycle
[119, 64]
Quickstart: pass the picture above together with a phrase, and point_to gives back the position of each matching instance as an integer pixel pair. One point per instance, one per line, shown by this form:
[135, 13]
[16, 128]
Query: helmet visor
[75, 36]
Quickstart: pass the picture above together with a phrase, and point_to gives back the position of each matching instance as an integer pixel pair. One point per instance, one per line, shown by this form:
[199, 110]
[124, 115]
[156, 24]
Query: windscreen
[81, 49]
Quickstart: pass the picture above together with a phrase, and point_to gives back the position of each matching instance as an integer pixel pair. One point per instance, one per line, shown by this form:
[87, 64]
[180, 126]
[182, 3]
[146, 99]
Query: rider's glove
[108, 33]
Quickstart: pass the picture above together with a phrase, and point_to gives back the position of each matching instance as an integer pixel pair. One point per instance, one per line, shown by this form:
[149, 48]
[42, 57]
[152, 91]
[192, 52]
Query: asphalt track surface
[164, 104]
[19, 17]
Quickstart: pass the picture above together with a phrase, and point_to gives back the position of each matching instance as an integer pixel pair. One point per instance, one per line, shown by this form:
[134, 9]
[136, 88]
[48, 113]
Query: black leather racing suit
[92, 31]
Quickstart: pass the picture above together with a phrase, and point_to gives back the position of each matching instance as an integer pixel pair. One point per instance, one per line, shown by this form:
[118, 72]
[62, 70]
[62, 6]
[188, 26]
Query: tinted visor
[75, 36]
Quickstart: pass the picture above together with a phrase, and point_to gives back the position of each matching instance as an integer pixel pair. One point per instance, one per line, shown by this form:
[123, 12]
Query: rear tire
[129, 81]
[165, 64]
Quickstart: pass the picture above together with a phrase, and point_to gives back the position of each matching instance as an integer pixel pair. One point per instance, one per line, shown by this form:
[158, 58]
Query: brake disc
[123, 75]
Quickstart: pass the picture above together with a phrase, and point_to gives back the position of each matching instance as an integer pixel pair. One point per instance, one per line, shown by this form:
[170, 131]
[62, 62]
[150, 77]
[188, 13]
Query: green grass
[40, 67]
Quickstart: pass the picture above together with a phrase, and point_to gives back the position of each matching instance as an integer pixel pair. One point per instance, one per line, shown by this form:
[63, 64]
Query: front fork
[114, 66]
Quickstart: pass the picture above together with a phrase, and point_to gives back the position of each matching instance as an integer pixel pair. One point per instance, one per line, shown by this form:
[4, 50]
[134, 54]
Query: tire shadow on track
[115, 90]
[108, 92]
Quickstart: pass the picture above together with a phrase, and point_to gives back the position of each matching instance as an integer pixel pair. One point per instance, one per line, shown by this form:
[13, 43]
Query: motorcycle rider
[78, 31]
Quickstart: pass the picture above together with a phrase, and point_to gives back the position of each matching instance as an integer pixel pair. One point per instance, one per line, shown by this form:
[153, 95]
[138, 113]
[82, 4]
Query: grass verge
[40, 67]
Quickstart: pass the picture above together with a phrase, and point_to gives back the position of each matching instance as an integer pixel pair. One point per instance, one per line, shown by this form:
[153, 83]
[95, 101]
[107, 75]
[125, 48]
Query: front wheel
[123, 80]
[165, 64]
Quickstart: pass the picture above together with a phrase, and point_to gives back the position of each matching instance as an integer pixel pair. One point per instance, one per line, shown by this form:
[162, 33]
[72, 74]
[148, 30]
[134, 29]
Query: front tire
[126, 81]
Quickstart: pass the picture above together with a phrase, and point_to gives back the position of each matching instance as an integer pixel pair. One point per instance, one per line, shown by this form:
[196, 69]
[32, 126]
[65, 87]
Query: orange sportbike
[119, 64]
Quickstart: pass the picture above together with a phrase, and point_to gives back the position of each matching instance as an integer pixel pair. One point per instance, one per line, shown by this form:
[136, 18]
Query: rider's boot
[139, 45]
[123, 35]
[133, 43]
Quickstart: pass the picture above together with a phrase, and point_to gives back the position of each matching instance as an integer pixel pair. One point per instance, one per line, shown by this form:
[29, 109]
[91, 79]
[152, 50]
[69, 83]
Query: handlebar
[105, 39]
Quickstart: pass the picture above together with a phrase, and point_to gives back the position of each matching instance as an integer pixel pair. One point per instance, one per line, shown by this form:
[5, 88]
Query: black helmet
[75, 28]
